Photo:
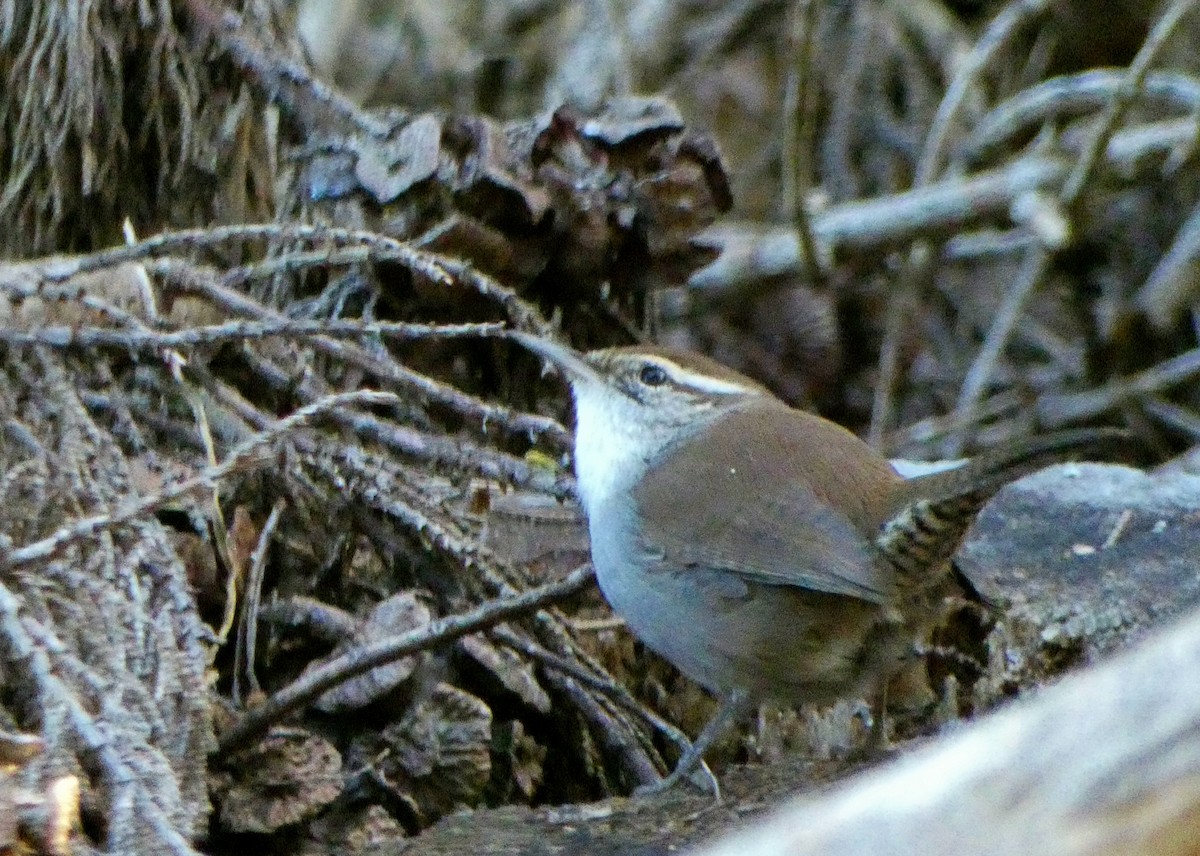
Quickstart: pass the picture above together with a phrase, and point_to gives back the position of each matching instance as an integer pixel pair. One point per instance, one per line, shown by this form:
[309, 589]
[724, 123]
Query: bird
[767, 552]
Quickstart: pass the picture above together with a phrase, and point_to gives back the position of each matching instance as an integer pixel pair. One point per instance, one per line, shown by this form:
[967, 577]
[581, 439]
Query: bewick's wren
[765, 551]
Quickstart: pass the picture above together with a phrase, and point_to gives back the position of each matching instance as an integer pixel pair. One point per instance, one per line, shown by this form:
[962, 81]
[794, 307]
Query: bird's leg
[877, 740]
[735, 706]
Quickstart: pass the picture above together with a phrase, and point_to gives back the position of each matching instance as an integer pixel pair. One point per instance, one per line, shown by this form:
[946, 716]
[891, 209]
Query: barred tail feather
[933, 512]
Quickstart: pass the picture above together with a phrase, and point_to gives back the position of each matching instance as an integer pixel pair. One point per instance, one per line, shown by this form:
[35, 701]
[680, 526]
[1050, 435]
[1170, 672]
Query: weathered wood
[1105, 763]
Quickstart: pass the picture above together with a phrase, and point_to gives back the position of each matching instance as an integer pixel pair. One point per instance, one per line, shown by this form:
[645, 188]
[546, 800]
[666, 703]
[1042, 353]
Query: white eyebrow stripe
[704, 383]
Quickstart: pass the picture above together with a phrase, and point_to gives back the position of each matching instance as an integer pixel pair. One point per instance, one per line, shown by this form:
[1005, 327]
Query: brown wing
[789, 466]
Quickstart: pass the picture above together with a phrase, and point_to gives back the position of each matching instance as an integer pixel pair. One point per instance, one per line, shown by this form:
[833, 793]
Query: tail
[931, 513]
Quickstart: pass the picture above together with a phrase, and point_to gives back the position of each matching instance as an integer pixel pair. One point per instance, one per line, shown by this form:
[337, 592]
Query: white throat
[613, 445]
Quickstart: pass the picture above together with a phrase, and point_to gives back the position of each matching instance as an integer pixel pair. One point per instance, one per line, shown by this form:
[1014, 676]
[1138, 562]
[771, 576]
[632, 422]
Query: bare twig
[922, 258]
[1172, 285]
[796, 162]
[606, 685]
[192, 279]
[239, 458]
[127, 787]
[319, 620]
[869, 225]
[458, 454]
[1132, 82]
[1058, 409]
[995, 38]
[1037, 264]
[982, 367]
[836, 143]
[1182, 419]
[61, 336]
[247, 638]
[61, 269]
[1070, 95]
[920, 265]
[358, 661]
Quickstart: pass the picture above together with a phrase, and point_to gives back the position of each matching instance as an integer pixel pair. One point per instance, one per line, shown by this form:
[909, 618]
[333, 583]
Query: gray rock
[1082, 559]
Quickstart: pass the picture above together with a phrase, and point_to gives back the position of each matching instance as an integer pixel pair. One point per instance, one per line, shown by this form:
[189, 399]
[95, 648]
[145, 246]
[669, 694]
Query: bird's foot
[699, 777]
[691, 765]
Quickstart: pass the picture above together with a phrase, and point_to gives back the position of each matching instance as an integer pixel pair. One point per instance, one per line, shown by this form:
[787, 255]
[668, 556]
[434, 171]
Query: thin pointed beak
[569, 362]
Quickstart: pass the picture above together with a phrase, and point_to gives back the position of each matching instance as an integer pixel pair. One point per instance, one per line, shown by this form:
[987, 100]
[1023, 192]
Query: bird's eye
[652, 375]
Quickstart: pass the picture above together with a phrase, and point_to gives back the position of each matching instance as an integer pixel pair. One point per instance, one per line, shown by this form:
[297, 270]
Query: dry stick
[922, 256]
[1131, 84]
[122, 407]
[247, 639]
[206, 479]
[867, 225]
[610, 688]
[311, 101]
[1056, 410]
[1038, 262]
[231, 401]
[522, 313]
[994, 39]
[58, 270]
[61, 336]
[637, 762]
[986, 243]
[316, 618]
[944, 208]
[1182, 419]
[1075, 94]
[1033, 270]
[798, 137]
[1065, 354]
[1032, 274]
[612, 730]
[412, 512]
[933, 428]
[60, 701]
[1172, 284]
[408, 440]
[838, 170]
[552, 625]
[457, 453]
[65, 293]
[919, 267]
[196, 280]
[257, 721]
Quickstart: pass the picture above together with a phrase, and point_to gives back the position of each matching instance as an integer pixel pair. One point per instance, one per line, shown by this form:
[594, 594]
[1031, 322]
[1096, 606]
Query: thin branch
[920, 265]
[247, 639]
[240, 457]
[457, 453]
[192, 279]
[353, 663]
[938, 210]
[1055, 410]
[796, 162]
[974, 384]
[617, 692]
[1071, 95]
[1132, 82]
[1172, 285]
[62, 269]
[1037, 264]
[62, 336]
[994, 39]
